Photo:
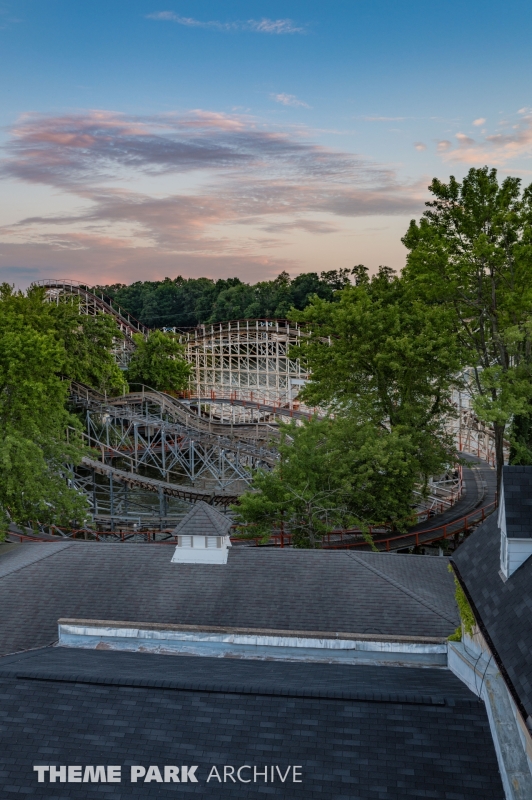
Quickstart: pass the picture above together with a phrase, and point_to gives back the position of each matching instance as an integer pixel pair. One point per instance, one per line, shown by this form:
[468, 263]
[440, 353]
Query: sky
[148, 138]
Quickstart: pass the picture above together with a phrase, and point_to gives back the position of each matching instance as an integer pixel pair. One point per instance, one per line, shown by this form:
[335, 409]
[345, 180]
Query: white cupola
[202, 536]
[515, 518]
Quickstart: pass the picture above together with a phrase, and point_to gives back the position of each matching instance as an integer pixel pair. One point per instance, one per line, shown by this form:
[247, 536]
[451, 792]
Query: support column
[111, 500]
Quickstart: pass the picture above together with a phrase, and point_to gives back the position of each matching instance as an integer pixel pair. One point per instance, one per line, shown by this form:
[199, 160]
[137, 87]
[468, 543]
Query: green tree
[521, 439]
[304, 286]
[38, 436]
[158, 362]
[174, 303]
[382, 357]
[232, 303]
[471, 253]
[332, 473]
[187, 302]
[88, 342]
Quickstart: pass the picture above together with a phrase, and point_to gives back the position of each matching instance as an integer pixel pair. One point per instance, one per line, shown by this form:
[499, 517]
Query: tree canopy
[382, 364]
[382, 357]
[332, 473]
[34, 443]
[43, 346]
[158, 362]
[471, 254]
[186, 302]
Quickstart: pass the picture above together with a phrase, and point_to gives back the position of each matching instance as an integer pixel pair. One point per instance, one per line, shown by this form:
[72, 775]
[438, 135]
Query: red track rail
[457, 526]
[409, 539]
[417, 538]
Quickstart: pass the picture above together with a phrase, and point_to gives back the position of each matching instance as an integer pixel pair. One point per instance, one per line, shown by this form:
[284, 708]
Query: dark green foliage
[158, 362]
[184, 303]
[383, 364]
[521, 439]
[333, 473]
[471, 253]
[34, 442]
[88, 343]
[383, 358]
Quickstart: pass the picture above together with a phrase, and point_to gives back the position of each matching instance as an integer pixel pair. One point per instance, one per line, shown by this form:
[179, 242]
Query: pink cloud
[104, 263]
[496, 149]
[257, 187]
[289, 100]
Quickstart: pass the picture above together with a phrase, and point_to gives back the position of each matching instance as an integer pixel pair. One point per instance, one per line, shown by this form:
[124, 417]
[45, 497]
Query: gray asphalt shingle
[517, 491]
[389, 743]
[504, 609]
[258, 588]
[203, 520]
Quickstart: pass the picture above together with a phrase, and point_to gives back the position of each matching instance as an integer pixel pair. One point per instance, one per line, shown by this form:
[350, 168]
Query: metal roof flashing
[254, 643]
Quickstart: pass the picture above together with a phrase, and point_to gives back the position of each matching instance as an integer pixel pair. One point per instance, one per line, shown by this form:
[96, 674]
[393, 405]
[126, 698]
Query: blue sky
[144, 139]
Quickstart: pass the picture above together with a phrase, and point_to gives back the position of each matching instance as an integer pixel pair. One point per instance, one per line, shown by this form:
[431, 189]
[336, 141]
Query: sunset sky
[142, 138]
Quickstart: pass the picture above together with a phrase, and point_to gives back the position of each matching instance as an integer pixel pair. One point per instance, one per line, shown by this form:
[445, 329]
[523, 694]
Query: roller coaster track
[475, 504]
[177, 411]
[133, 480]
[149, 431]
[258, 410]
[246, 363]
[243, 378]
[92, 303]
[471, 509]
[118, 426]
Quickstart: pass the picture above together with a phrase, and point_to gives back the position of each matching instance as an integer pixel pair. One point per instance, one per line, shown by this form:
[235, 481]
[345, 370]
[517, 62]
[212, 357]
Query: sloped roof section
[504, 608]
[517, 492]
[421, 578]
[203, 520]
[298, 590]
[20, 557]
[350, 729]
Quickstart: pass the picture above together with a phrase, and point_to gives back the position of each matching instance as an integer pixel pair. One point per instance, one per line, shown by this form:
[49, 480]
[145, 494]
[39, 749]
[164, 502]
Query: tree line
[187, 302]
[384, 353]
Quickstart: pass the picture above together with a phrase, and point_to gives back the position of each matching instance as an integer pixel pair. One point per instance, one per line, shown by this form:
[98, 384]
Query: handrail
[183, 491]
[222, 396]
[272, 324]
[282, 539]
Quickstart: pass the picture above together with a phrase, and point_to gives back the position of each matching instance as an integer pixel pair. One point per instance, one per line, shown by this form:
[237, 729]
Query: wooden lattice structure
[246, 360]
[91, 303]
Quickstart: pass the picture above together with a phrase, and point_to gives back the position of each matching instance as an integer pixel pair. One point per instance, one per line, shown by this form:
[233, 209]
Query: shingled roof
[517, 501]
[502, 608]
[203, 520]
[303, 590]
[356, 732]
